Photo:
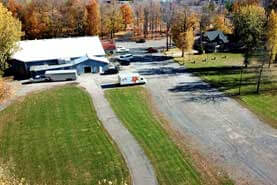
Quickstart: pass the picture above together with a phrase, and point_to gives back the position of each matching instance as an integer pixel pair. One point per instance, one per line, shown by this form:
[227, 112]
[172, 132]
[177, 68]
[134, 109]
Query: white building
[85, 54]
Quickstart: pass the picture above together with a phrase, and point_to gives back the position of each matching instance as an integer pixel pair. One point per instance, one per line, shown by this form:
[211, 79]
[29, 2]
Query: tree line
[50, 18]
[251, 24]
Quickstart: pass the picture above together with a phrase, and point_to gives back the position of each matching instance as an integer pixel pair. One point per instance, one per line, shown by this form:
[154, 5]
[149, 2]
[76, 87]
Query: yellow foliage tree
[183, 30]
[10, 33]
[223, 24]
[272, 36]
[187, 40]
[111, 19]
[249, 27]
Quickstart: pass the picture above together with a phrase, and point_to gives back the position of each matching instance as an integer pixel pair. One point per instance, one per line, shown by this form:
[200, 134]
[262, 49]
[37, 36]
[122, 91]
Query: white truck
[131, 79]
[61, 75]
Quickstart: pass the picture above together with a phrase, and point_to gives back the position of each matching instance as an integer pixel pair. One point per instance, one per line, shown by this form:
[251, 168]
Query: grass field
[172, 165]
[222, 70]
[54, 137]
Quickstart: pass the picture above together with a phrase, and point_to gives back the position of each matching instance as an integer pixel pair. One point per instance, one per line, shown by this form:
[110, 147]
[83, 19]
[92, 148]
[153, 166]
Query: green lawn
[172, 165]
[222, 70]
[54, 137]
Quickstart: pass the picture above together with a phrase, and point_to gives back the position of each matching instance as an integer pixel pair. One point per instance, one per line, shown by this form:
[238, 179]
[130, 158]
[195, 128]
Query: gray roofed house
[215, 36]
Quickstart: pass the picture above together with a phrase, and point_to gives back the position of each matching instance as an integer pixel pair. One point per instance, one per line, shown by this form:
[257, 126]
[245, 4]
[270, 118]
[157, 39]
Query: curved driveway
[141, 170]
[221, 128]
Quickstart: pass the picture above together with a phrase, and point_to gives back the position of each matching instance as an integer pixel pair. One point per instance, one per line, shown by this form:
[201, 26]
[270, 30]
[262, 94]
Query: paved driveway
[140, 168]
[222, 129]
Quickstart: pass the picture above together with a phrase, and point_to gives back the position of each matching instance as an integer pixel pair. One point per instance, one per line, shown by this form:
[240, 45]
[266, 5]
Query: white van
[131, 79]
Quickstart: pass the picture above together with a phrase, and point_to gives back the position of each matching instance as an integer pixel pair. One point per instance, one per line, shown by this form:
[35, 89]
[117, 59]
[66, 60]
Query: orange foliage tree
[13, 7]
[127, 14]
[93, 17]
[34, 25]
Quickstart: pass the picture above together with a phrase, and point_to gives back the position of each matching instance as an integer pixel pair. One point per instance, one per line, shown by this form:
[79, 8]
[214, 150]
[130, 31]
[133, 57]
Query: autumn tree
[10, 33]
[56, 22]
[14, 7]
[74, 18]
[127, 14]
[223, 24]
[183, 30]
[93, 17]
[112, 21]
[39, 21]
[249, 22]
[272, 36]
[33, 25]
[185, 40]
[238, 4]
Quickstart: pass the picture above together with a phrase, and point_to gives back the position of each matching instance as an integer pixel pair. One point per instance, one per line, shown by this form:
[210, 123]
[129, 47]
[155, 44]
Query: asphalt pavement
[223, 130]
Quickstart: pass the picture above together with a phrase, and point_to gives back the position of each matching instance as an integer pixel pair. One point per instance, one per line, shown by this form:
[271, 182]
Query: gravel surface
[220, 128]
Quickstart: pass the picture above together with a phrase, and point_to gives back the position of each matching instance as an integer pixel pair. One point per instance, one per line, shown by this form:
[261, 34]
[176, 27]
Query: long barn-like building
[35, 57]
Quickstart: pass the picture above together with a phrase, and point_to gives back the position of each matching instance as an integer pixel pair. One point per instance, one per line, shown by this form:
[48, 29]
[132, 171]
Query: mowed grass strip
[172, 166]
[55, 137]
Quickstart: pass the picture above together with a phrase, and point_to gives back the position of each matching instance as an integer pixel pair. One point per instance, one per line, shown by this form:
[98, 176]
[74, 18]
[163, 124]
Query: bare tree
[139, 17]
[167, 16]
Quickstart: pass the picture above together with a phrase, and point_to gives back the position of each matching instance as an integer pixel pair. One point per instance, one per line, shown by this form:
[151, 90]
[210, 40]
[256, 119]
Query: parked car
[127, 57]
[151, 50]
[120, 49]
[140, 41]
[112, 69]
[38, 78]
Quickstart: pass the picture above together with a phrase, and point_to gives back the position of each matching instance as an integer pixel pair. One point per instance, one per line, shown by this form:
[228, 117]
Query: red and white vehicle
[131, 79]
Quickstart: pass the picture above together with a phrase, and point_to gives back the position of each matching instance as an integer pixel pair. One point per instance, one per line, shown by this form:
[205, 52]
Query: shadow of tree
[199, 92]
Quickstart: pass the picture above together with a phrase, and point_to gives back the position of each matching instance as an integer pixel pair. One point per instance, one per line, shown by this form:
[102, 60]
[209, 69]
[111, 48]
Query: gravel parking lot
[223, 130]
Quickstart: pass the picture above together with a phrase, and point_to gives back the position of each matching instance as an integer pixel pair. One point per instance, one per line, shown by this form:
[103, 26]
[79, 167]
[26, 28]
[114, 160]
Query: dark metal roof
[213, 35]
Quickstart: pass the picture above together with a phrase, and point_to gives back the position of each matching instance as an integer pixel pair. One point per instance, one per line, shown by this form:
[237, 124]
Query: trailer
[131, 79]
[61, 75]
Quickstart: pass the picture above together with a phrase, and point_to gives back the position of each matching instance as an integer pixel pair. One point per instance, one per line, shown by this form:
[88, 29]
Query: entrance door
[87, 69]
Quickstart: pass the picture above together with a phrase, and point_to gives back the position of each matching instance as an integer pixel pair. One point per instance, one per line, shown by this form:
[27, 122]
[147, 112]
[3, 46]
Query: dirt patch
[7, 176]
[5, 90]
[211, 174]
